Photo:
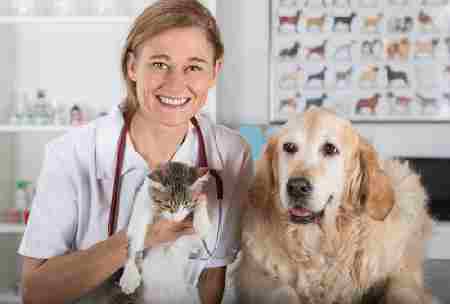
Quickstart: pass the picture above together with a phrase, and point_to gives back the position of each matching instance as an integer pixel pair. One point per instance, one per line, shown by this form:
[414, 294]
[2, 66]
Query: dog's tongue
[298, 211]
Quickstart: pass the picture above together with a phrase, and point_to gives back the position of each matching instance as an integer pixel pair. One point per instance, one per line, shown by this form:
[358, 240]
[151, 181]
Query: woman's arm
[64, 278]
[212, 284]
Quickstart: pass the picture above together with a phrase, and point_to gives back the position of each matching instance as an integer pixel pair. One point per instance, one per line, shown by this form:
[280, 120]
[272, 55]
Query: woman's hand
[164, 231]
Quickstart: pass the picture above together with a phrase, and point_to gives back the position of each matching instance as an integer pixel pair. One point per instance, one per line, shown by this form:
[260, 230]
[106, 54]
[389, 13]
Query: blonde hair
[157, 18]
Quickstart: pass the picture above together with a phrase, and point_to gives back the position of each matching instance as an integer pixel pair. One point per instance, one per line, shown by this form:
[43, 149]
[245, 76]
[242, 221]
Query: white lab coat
[71, 207]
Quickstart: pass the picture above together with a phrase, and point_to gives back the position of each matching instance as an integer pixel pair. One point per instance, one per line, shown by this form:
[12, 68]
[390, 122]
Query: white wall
[243, 93]
[243, 85]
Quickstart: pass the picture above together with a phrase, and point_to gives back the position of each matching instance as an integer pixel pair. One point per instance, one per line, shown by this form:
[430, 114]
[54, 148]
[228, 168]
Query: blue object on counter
[255, 137]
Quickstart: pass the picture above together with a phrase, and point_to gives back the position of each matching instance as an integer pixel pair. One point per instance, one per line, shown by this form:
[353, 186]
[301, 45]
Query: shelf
[437, 246]
[9, 297]
[11, 228]
[64, 19]
[19, 129]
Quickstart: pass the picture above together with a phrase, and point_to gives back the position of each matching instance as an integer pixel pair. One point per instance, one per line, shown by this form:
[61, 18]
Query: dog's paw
[201, 220]
[131, 278]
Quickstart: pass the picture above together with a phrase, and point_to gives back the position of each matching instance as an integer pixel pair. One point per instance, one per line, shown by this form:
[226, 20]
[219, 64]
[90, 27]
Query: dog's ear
[265, 177]
[376, 190]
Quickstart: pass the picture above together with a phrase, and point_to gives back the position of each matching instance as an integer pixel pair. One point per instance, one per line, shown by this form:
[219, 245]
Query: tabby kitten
[172, 191]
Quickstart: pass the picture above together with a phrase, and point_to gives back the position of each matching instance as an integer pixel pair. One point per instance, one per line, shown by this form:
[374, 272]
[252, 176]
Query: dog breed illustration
[402, 101]
[401, 25]
[399, 2]
[427, 102]
[290, 52]
[393, 75]
[315, 101]
[371, 24]
[426, 21]
[446, 74]
[320, 76]
[344, 77]
[398, 49]
[426, 48]
[319, 50]
[433, 2]
[323, 3]
[447, 45]
[291, 80]
[371, 49]
[344, 51]
[315, 22]
[288, 3]
[369, 76]
[447, 97]
[289, 20]
[329, 221]
[370, 103]
[368, 3]
[344, 20]
[341, 3]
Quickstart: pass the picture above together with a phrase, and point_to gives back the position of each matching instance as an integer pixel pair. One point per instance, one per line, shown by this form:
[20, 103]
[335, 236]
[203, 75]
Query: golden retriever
[328, 222]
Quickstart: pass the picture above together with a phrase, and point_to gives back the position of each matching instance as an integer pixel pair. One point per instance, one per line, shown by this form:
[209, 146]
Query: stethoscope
[202, 162]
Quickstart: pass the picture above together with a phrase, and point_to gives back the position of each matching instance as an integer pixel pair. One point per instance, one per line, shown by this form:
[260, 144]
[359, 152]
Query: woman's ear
[217, 68]
[131, 66]
[376, 188]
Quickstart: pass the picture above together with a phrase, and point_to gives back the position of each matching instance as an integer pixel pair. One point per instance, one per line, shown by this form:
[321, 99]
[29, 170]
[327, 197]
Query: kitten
[172, 192]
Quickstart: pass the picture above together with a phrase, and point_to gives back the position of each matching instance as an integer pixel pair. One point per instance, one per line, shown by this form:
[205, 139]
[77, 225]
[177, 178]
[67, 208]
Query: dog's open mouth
[301, 215]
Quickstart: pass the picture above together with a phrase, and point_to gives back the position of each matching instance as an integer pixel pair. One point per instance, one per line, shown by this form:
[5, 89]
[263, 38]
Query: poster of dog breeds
[389, 58]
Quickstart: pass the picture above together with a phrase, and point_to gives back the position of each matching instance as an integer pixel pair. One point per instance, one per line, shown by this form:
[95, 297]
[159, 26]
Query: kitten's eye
[290, 147]
[329, 150]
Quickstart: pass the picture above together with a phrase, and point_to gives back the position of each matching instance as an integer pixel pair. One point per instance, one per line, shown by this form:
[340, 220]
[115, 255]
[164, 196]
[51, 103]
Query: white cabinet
[76, 59]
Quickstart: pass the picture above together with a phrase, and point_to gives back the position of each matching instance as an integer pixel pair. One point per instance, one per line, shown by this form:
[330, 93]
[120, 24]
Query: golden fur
[367, 248]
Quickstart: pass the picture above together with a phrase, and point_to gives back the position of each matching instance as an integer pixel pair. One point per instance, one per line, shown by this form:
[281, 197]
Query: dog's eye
[329, 149]
[290, 148]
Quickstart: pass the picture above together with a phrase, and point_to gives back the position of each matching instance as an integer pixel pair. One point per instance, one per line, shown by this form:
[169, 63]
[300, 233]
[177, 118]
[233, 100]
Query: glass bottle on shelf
[63, 7]
[23, 7]
[104, 8]
[18, 108]
[61, 113]
[43, 110]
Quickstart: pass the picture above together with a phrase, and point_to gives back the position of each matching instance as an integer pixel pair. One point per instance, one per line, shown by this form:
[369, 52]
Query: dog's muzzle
[299, 188]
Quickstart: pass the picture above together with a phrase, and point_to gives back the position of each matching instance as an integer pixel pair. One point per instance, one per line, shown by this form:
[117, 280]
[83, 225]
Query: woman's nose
[175, 79]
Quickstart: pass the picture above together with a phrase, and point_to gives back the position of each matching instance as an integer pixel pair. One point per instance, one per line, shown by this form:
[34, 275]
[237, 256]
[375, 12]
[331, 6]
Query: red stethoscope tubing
[115, 200]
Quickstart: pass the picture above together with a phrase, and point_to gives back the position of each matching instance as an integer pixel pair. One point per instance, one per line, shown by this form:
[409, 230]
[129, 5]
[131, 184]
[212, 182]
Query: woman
[171, 59]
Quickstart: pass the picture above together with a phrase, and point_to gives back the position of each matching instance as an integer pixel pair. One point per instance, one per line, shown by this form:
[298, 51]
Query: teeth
[174, 101]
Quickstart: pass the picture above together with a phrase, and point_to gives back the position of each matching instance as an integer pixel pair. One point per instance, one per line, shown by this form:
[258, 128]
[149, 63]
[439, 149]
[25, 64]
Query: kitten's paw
[131, 278]
[201, 222]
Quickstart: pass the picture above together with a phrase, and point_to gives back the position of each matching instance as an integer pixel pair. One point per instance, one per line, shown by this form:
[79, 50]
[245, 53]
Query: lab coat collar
[107, 136]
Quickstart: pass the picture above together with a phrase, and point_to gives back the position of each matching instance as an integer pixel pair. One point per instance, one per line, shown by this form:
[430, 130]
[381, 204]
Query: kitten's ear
[155, 181]
[202, 178]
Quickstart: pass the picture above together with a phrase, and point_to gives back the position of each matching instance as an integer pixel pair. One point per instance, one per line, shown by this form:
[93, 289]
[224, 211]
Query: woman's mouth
[173, 101]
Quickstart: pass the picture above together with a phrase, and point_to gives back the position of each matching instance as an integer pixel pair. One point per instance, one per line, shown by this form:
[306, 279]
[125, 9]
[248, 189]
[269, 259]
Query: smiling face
[173, 72]
[314, 155]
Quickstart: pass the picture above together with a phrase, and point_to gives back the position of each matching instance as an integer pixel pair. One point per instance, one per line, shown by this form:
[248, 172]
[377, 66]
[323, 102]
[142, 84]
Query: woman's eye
[160, 65]
[194, 68]
[329, 149]
[290, 147]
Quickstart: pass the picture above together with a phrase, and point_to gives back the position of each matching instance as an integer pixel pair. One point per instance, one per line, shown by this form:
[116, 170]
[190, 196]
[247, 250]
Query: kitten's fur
[173, 189]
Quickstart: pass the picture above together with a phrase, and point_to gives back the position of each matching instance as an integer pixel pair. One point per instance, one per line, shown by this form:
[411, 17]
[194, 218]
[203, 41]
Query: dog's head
[317, 164]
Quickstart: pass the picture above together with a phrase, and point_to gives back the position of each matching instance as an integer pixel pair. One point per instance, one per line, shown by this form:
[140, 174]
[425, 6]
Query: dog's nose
[299, 186]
